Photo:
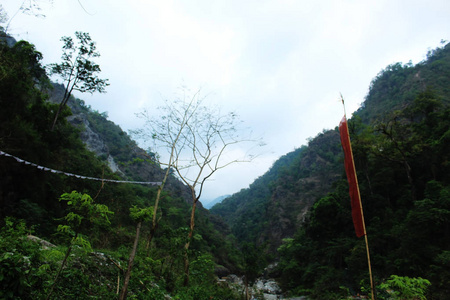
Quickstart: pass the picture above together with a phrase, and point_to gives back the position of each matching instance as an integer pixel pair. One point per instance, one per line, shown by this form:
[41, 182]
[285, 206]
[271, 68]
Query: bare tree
[200, 141]
[165, 131]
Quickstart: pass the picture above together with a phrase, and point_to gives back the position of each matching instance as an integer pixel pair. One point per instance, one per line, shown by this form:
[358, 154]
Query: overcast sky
[280, 64]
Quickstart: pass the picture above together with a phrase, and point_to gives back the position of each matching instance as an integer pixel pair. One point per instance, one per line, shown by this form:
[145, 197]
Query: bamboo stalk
[372, 287]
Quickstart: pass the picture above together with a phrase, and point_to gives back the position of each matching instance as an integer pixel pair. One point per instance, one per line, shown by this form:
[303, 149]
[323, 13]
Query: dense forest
[70, 237]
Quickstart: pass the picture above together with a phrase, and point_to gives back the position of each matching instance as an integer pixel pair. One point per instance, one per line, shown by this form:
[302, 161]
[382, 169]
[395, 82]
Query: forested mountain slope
[399, 84]
[275, 205]
[403, 172]
[47, 190]
[401, 144]
[114, 146]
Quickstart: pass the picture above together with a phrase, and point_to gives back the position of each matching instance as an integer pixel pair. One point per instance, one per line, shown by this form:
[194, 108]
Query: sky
[281, 65]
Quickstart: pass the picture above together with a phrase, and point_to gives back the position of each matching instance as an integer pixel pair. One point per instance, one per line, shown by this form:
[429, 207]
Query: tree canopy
[77, 70]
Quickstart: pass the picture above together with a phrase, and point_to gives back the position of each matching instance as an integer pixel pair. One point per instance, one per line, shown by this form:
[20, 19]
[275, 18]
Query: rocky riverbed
[262, 289]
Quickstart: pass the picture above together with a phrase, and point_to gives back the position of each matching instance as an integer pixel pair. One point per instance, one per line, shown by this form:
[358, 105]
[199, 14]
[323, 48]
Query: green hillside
[39, 170]
[401, 145]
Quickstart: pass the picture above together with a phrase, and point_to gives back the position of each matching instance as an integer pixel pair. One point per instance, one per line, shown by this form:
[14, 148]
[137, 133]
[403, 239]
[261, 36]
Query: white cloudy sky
[280, 64]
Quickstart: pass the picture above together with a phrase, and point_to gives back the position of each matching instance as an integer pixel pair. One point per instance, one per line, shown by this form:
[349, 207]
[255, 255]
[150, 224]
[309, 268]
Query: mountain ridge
[211, 203]
[277, 202]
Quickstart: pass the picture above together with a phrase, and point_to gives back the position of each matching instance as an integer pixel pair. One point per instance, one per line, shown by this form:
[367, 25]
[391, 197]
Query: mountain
[209, 204]
[276, 204]
[297, 214]
[398, 85]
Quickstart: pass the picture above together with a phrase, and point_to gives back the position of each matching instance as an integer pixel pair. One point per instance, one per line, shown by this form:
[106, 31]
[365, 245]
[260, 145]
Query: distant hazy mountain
[210, 203]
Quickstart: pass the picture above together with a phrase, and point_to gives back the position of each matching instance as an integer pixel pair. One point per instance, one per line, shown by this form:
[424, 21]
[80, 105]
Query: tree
[20, 73]
[139, 215]
[252, 263]
[82, 209]
[162, 133]
[200, 141]
[405, 287]
[77, 70]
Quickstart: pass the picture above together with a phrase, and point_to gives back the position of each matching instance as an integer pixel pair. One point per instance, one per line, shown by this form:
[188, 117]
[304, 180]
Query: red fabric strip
[352, 180]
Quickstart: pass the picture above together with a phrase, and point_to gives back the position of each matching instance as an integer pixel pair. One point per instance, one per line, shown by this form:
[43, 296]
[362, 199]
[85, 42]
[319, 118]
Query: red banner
[352, 179]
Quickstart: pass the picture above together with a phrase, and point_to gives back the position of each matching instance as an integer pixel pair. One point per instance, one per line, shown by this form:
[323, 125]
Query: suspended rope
[74, 175]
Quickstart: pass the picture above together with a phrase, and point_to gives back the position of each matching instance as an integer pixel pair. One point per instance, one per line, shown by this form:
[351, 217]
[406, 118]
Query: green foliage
[399, 84]
[77, 69]
[320, 249]
[405, 288]
[285, 193]
[402, 163]
[253, 261]
[141, 214]
[19, 262]
[202, 269]
[82, 207]
[203, 283]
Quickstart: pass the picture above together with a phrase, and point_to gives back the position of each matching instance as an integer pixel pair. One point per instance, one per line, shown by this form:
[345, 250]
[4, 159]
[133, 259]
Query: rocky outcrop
[115, 147]
[92, 140]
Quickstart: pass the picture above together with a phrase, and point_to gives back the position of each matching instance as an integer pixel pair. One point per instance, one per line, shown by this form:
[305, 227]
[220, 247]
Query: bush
[20, 272]
[406, 288]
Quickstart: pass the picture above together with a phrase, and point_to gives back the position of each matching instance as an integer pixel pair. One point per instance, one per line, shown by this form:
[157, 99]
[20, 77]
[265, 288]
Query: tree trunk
[60, 270]
[65, 99]
[186, 247]
[154, 221]
[186, 265]
[123, 293]
[57, 115]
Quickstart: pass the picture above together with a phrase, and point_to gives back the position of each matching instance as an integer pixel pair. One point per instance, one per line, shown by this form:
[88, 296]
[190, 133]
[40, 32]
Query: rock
[268, 286]
[45, 245]
[93, 141]
[263, 289]
[234, 279]
[221, 271]
[271, 297]
[271, 271]
[112, 165]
